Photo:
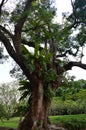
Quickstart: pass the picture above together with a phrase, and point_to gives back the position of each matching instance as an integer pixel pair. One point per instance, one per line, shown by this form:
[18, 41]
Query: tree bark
[37, 115]
[40, 122]
[46, 107]
[37, 102]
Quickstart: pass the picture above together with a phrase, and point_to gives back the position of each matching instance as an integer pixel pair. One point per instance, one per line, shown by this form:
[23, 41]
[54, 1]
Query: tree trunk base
[55, 127]
[44, 127]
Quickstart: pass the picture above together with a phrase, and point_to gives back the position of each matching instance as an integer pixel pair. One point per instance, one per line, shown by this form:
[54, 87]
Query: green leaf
[36, 50]
[31, 67]
[24, 95]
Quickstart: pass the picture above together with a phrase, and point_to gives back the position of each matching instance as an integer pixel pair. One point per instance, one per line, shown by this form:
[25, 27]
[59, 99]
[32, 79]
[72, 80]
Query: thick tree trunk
[28, 124]
[37, 104]
[37, 115]
[46, 106]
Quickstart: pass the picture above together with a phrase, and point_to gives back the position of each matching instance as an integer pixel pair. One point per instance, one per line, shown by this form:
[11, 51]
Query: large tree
[31, 24]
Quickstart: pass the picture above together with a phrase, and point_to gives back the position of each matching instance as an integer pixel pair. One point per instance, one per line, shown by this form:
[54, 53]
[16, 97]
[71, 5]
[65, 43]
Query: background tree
[9, 97]
[32, 25]
[69, 98]
[2, 112]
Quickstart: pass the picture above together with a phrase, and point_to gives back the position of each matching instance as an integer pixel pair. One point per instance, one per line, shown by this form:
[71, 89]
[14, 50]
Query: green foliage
[2, 112]
[15, 14]
[29, 58]
[73, 104]
[39, 29]
[25, 88]
[31, 67]
[20, 109]
[50, 76]
[8, 97]
[36, 52]
[79, 8]
[38, 22]
[71, 122]
[70, 87]
[81, 36]
[25, 50]
[48, 92]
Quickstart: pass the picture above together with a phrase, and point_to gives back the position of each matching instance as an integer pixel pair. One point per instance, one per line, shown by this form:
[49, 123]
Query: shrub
[60, 107]
[76, 124]
[2, 112]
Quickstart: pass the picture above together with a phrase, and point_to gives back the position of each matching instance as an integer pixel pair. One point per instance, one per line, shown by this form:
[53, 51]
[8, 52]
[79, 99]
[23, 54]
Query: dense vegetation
[70, 99]
[67, 104]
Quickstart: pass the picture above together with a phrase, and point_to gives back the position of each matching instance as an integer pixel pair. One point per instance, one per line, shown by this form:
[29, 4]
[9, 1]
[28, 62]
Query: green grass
[12, 123]
[72, 122]
[65, 118]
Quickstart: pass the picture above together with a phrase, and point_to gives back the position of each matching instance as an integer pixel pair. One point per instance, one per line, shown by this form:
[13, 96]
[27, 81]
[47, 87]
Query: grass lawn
[11, 123]
[73, 121]
[67, 118]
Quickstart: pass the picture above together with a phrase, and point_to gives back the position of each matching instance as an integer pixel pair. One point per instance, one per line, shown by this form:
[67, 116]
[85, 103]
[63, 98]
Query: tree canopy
[30, 24]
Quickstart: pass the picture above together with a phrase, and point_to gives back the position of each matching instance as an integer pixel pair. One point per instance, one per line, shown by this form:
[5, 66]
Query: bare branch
[30, 44]
[63, 54]
[6, 43]
[68, 52]
[68, 66]
[5, 1]
[72, 64]
[6, 31]
[1, 5]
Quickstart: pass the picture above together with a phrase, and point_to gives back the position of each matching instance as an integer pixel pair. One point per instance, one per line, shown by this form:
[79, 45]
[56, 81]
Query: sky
[4, 72]
[63, 6]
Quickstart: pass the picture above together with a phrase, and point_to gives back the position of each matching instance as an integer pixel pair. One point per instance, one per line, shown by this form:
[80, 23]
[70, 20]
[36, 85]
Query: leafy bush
[73, 104]
[2, 112]
[20, 109]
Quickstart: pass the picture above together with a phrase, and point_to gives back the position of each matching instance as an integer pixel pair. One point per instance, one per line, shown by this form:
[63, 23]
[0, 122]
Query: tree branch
[6, 43]
[24, 16]
[30, 44]
[1, 5]
[63, 54]
[6, 31]
[69, 66]
[72, 64]
[68, 52]
[19, 25]
[17, 58]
